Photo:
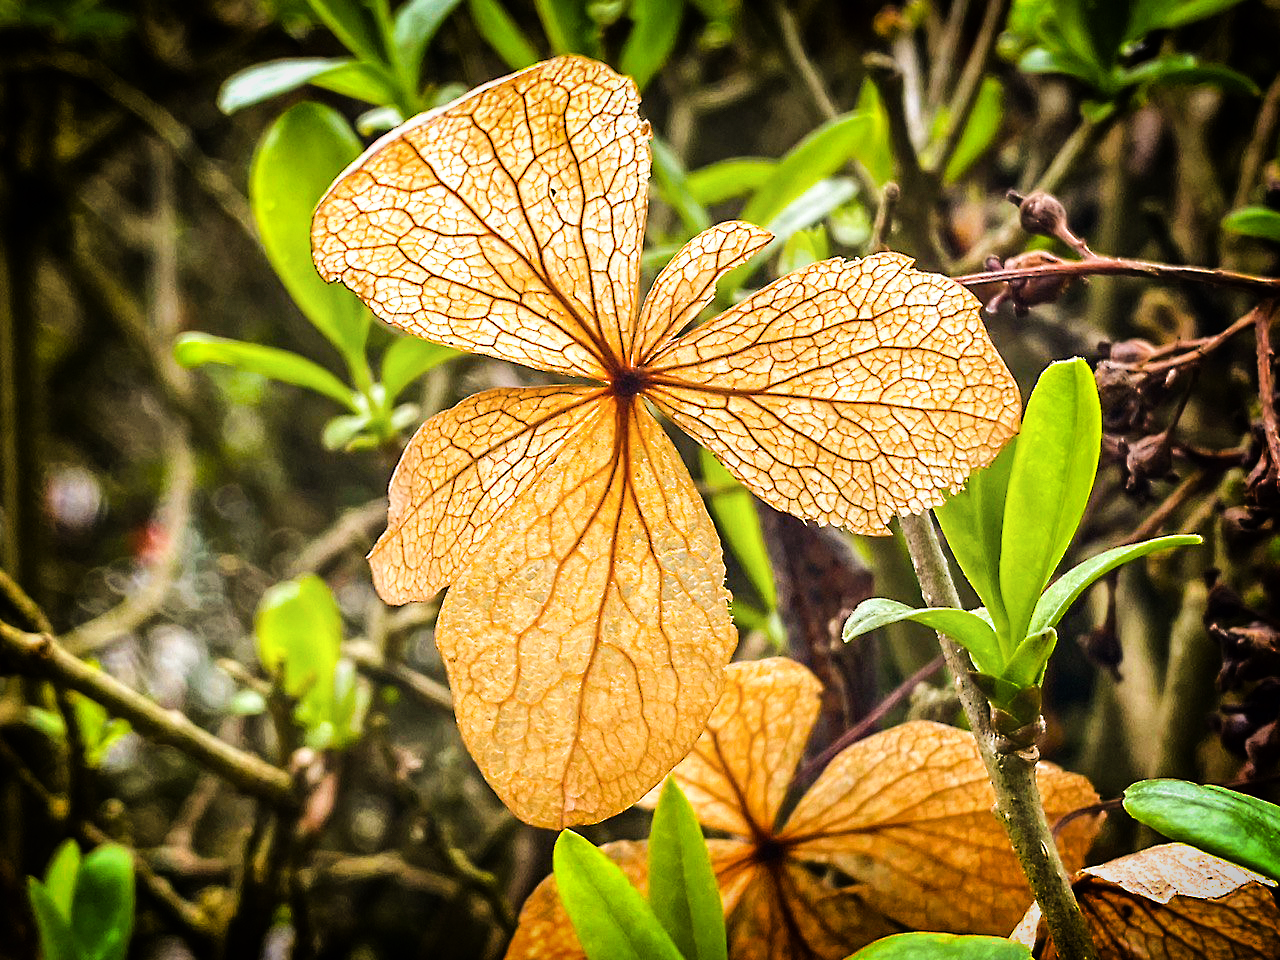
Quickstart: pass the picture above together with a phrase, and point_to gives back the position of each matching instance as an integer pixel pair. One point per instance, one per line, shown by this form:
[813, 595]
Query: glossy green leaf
[1044, 60]
[1231, 825]
[407, 359]
[369, 82]
[803, 248]
[965, 627]
[351, 23]
[653, 35]
[973, 523]
[1260, 222]
[1064, 591]
[672, 185]
[295, 162]
[1054, 465]
[56, 940]
[1184, 69]
[682, 884]
[416, 22]
[726, 179]
[502, 33]
[980, 131]
[942, 946]
[60, 875]
[378, 120]
[734, 509]
[102, 907]
[197, 349]
[611, 919]
[1026, 667]
[263, 81]
[816, 157]
[299, 632]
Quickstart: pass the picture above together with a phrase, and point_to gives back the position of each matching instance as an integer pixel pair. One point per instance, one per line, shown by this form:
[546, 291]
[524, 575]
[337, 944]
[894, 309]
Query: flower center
[628, 382]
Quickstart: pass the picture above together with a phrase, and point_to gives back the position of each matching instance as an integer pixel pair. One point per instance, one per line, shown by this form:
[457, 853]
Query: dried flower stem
[1121, 267]
[1013, 774]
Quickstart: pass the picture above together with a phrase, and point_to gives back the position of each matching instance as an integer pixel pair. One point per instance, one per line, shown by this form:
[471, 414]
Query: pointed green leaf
[672, 183]
[682, 885]
[611, 919]
[1260, 222]
[567, 26]
[299, 631]
[1231, 825]
[407, 359]
[102, 907]
[979, 132]
[196, 349]
[967, 628]
[942, 946]
[300, 155]
[60, 876]
[973, 522]
[56, 941]
[416, 22]
[1026, 667]
[726, 179]
[734, 509]
[1052, 474]
[1171, 15]
[349, 21]
[1055, 602]
[502, 33]
[370, 82]
[656, 26]
[265, 80]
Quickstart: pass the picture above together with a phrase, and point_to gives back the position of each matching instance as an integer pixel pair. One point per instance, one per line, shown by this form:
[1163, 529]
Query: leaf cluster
[84, 906]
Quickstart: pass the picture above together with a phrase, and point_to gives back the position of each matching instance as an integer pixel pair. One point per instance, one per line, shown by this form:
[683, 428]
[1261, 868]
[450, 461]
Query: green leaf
[1184, 69]
[246, 703]
[1044, 60]
[979, 132]
[369, 82]
[60, 875]
[942, 946]
[1054, 464]
[300, 155]
[816, 157]
[102, 907]
[1055, 602]
[497, 28]
[1260, 222]
[803, 248]
[416, 22]
[682, 884]
[1231, 825]
[672, 183]
[1170, 16]
[611, 919]
[726, 179]
[657, 25]
[197, 349]
[265, 80]
[56, 940]
[567, 26]
[299, 632]
[973, 523]
[350, 23]
[1026, 667]
[407, 359]
[966, 627]
[734, 509]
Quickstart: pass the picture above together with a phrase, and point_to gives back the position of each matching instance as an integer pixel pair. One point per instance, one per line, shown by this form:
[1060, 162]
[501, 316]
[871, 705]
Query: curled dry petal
[586, 643]
[1171, 902]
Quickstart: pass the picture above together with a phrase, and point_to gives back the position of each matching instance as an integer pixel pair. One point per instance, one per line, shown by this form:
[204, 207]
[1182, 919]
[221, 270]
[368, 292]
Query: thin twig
[41, 655]
[1260, 144]
[883, 225]
[1264, 315]
[353, 530]
[800, 62]
[946, 46]
[966, 92]
[422, 688]
[30, 611]
[1120, 267]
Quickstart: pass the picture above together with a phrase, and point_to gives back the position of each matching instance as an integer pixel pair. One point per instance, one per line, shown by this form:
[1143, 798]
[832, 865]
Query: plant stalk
[1012, 773]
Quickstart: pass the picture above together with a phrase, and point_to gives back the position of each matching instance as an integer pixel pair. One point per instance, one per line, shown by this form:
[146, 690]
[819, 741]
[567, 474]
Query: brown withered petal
[1171, 902]
[908, 813]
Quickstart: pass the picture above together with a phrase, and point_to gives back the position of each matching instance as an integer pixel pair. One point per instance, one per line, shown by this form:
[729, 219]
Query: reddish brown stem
[1119, 267]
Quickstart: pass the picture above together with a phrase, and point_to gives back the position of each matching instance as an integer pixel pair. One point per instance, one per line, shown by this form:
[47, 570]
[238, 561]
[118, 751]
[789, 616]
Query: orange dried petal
[586, 642]
[846, 392]
[1171, 902]
[740, 768]
[508, 223]
[460, 472]
[908, 813]
[688, 282]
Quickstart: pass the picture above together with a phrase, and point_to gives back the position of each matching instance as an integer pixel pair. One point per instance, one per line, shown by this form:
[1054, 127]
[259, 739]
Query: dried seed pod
[1043, 214]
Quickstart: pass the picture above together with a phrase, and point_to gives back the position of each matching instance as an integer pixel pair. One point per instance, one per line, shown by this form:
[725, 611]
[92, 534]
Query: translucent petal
[460, 472]
[586, 642]
[846, 392]
[508, 223]
[908, 814]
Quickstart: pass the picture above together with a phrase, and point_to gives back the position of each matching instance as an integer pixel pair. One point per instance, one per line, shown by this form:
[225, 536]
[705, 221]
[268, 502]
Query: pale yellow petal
[738, 773]
[508, 223]
[586, 643]
[908, 813]
[460, 472]
[846, 393]
[687, 284]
